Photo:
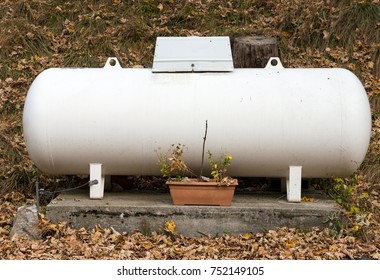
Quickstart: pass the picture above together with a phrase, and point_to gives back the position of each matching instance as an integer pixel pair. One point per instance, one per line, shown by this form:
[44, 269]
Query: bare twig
[202, 233]
[203, 151]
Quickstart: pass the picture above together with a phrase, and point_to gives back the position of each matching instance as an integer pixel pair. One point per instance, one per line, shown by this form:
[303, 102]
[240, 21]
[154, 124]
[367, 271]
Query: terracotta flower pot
[194, 192]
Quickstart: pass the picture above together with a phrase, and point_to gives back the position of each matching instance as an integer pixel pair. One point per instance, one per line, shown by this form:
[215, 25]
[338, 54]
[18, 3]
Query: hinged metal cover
[193, 54]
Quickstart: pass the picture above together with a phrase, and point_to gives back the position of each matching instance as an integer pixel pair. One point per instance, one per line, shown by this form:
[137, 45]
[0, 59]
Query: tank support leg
[293, 184]
[283, 185]
[96, 181]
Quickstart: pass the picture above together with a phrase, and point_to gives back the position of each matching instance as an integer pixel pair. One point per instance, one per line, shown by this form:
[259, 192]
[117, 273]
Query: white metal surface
[96, 176]
[267, 119]
[293, 184]
[192, 54]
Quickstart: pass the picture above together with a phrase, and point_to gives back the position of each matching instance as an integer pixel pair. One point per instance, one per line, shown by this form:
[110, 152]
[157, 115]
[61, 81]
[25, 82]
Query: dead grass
[16, 168]
[371, 164]
[357, 19]
[3, 126]
[36, 35]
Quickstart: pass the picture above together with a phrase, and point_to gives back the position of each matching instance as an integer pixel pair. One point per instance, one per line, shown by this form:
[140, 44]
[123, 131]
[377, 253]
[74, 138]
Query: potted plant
[188, 189]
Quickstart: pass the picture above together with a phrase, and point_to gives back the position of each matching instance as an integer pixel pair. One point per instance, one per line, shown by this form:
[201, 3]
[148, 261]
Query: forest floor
[37, 35]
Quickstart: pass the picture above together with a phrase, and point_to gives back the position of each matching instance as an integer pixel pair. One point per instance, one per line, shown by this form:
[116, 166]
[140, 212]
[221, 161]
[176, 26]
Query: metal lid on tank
[193, 54]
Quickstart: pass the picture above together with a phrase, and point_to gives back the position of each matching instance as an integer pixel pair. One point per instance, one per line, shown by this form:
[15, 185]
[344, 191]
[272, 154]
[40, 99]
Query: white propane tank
[275, 122]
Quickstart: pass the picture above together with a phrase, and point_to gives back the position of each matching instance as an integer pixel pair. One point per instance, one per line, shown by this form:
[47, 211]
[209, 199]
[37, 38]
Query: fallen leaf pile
[99, 243]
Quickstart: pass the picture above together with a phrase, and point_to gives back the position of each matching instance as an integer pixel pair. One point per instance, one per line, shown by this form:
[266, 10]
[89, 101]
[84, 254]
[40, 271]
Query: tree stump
[254, 51]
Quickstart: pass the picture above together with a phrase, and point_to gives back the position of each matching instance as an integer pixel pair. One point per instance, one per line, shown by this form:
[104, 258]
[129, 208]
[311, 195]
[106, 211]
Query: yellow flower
[289, 243]
[247, 235]
[170, 226]
[355, 228]
[229, 157]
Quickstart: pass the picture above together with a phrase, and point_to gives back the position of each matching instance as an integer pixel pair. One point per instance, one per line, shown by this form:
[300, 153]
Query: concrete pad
[146, 212]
